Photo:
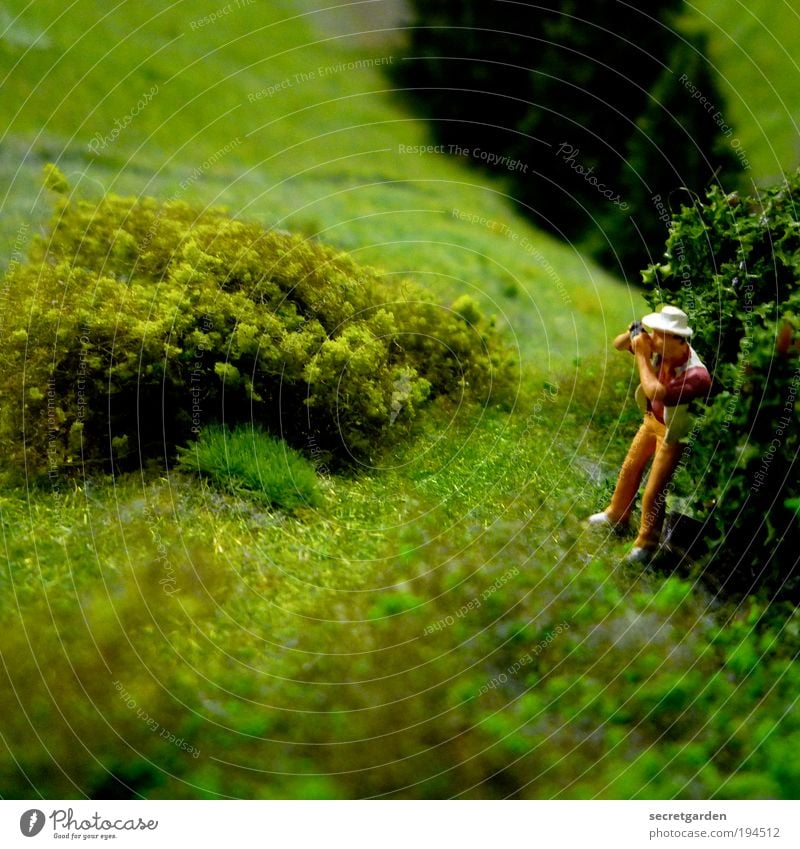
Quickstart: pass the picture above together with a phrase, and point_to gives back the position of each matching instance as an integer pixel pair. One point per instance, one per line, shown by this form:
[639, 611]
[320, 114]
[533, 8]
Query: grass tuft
[250, 462]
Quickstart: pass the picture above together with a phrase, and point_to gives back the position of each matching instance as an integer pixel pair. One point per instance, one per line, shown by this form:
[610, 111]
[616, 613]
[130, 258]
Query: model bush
[135, 322]
[733, 264]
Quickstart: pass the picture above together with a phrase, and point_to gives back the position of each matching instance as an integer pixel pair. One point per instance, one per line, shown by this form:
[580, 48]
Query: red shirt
[691, 380]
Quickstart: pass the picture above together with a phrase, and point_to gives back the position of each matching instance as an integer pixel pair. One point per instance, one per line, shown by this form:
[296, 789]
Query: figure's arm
[652, 386]
[623, 342]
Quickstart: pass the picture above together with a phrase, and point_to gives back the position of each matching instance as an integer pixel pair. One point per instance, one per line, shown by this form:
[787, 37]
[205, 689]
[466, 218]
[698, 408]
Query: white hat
[670, 320]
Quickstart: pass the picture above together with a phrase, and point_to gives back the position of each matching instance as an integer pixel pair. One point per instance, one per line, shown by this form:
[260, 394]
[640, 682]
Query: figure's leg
[654, 500]
[630, 475]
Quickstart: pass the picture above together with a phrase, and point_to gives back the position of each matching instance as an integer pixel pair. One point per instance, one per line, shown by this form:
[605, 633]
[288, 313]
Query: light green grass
[251, 463]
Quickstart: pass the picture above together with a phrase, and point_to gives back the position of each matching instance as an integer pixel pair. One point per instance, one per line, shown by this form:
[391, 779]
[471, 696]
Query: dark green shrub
[134, 323]
[734, 264]
[678, 143]
[250, 461]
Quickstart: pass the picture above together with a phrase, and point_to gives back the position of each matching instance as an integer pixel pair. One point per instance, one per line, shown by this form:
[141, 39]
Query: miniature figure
[671, 376]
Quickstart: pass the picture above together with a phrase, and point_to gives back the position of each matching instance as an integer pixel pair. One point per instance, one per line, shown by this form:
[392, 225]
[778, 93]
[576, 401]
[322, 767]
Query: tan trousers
[648, 442]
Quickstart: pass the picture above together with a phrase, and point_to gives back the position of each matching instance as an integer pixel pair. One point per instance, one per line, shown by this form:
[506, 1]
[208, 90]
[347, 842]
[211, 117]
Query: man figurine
[671, 375]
